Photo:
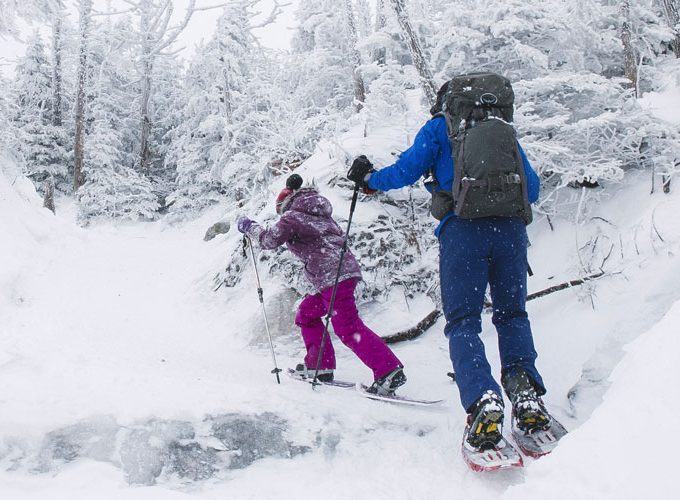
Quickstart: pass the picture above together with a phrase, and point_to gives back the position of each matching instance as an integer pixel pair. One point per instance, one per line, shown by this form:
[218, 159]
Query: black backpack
[489, 178]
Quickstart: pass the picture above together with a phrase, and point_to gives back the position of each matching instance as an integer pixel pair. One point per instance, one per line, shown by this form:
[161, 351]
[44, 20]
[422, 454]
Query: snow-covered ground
[123, 375]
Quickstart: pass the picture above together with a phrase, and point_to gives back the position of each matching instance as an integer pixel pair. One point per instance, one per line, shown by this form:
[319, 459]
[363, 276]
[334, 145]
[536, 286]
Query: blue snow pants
[472, 254]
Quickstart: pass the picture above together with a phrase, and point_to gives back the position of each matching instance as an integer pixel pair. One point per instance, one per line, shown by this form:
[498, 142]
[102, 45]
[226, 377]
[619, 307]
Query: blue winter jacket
[431, 150]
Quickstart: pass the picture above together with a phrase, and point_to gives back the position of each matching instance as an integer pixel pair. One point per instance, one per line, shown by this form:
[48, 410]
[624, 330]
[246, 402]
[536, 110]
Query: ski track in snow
[118, 324]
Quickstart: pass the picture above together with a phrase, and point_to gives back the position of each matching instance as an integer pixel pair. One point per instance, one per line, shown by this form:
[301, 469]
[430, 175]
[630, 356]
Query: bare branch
[271, 18]
[211, 7]
[114, 13]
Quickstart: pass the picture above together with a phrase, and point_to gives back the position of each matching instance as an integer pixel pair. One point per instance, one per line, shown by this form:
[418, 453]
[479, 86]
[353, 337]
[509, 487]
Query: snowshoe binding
[534, 430]
[484, 447]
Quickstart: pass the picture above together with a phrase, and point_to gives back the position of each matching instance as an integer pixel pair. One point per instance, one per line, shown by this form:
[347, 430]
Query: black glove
[360, 168]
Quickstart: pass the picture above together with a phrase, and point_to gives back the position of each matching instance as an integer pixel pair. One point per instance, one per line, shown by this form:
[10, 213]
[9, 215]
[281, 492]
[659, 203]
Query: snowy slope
[120, 366]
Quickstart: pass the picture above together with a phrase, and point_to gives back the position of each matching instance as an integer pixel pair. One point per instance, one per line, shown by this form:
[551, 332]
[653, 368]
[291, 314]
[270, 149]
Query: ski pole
[335, 286]
[276, 370]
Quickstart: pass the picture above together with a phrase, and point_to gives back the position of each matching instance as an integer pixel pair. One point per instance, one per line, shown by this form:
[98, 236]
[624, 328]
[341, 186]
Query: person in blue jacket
[474, 253]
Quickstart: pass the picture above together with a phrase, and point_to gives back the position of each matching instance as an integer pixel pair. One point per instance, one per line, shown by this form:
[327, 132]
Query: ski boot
[528, 411]
[308, 373]
[386, 385]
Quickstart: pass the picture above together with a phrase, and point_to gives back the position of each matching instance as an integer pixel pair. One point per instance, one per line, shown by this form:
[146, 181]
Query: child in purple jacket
[310, 233]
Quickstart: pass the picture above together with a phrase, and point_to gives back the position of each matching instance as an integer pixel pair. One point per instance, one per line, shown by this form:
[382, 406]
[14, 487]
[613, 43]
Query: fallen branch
[431, 319]
[416, 331]
[556, 288]
[563, 286]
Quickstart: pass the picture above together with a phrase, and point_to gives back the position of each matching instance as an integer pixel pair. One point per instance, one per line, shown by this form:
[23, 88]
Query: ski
[395, 398]
[540, 442]
[335, 383]
[502, 456]
[362, 390]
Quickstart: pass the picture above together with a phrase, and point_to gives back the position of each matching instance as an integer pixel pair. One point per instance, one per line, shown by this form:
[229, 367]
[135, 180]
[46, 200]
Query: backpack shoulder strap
[455, 133]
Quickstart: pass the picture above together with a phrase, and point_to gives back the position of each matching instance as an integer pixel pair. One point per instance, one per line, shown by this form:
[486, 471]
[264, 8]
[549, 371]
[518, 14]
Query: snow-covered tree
[322, 98]
[238, 119]
[31, 10]
[630, 57]
[42, 143]
[417, 54]
[112, 188]
[57, 68]
[85, 13]
[355, 56]
[211, 133]
[672, 9]
[152, 37]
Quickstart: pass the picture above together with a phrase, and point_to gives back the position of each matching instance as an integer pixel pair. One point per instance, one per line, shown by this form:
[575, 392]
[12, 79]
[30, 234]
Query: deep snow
[119, 364]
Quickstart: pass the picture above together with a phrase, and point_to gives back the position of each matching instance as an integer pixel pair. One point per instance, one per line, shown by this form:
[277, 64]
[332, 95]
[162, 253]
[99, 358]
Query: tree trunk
[629, 52]
[85, 9]
[358, 81]
[57, 36]
[144, 151]
[156, 34]
[48, 198]
[672, 9]
[227, 97]
[426, 78]
[380, 54]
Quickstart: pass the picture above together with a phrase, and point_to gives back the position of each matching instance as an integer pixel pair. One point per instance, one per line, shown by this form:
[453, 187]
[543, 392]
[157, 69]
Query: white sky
[200, 27]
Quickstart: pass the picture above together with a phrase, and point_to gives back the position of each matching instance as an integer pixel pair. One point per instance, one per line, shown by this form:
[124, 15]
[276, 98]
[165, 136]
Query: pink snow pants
[349, 328]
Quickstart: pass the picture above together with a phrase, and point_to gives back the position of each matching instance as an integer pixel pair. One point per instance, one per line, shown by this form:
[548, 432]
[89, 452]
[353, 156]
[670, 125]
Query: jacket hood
[309, 201]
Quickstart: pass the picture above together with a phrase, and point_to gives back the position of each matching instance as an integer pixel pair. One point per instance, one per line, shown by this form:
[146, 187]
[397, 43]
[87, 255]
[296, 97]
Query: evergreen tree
[229, 134]
[323, 98]
[41, 143]
[193, 141]
[112, 187]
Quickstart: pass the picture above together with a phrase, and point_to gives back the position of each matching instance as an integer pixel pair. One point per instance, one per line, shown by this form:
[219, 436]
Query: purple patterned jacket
[310, 233]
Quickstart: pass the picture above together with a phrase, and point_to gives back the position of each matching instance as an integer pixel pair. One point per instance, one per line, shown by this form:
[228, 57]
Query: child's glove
[244, 224]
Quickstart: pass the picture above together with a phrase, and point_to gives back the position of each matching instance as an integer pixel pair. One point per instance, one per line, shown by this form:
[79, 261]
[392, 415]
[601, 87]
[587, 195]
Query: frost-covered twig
[277, 9]
[576, 224]
[654, 226]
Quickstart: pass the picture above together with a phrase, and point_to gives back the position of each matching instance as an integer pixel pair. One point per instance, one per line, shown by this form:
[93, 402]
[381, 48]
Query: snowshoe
[540, 441]
[502, 455]
[534, 430]
[484, 447]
